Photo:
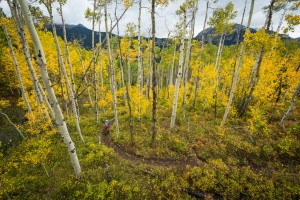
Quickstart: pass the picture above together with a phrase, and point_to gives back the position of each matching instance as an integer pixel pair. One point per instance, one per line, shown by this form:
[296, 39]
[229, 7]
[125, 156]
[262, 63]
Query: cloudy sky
[165, 16]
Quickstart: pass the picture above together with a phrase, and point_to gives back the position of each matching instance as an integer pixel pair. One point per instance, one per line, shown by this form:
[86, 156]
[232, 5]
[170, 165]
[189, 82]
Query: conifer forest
[209, 114]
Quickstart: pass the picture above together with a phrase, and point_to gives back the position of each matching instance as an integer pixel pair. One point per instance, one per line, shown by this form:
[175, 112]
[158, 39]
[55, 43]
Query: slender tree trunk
[188, 55]
[237, 68]
[95, 85]
[100, 61]
[84, 72]
[154, 83]
[68, 56]
[112, 71]
[21, 34]
[140, 67]
[61, 62]
[16, 65]
[172, 71]
[256, 67]
[48, 85]
[200, 55]
[11, 123]
[179, 73]
[296, 92]
[129, 72]
[149, 77]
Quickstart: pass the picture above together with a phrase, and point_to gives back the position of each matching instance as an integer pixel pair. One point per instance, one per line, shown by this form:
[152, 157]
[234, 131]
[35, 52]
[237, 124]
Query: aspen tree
[154, 83]
[183, 9]
[221, 20]
[60, 11]
[25, 48]
[293, 100]
[95, 85]
[237, 68]
[100, 59]
[254, 76]
[112, 70]
[84, 72]
[188, 52]
[59, 119]
[140, 67]
[200, 54]
[72, 98]
[16, 65]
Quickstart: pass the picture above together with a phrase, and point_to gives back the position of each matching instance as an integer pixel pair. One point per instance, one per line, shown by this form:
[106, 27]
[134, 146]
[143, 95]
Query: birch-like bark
[188, 56]
[25, 48]
[296, 92]
[200, 54]
[68, 55]
[64, 71]
[278, 28]
[16, 65]
[154, 83]
[62, 126]
[179, 73]
[256, 67]
[149, 77]
[11, 123]
[112, 71]
[129, 72]
[237, 68]
[100, 62]
[172, 72]
[140, 67]
[95, 85]
[84, 72]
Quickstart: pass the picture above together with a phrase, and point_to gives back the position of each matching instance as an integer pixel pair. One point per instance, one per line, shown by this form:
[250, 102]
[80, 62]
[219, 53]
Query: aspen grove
[188, 116]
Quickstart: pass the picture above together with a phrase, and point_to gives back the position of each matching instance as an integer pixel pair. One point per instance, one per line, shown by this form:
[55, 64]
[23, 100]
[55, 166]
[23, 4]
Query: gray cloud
[74, 14]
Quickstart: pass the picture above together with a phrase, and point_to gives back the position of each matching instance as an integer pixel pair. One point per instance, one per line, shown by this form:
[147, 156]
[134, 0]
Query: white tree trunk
[64, 71]
[179, 74]
[68, 56]
[237, 68]
[296, 92]
[100, 61]
[16, 65]
[62, 126]
[140, 67]
[112, 70]
[84, 72]
[21, 34]
[95, 85]
[11, 123]
[200, 55]
[188, 55]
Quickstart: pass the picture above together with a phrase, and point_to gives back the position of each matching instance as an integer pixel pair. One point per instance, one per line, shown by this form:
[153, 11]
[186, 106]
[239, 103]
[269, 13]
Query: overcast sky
[74, 14]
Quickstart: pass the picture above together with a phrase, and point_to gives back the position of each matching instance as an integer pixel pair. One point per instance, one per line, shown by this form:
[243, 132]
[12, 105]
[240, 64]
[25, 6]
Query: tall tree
[183, 10]
[41, 61]
[254, 76]
[237, 68]
[72, 97]
[112, 70]
[16, 65]
[154, 94]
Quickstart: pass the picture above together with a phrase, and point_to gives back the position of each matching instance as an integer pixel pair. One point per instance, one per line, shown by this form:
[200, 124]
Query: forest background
[188, 118]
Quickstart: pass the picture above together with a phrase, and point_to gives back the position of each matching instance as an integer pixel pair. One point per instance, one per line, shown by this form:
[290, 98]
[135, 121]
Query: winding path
[191, 160]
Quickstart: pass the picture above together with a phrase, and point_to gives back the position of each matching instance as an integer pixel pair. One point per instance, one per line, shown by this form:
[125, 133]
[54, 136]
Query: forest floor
[192, 160]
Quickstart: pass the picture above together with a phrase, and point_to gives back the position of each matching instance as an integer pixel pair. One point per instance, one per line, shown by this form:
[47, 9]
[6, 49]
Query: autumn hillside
[189, 120]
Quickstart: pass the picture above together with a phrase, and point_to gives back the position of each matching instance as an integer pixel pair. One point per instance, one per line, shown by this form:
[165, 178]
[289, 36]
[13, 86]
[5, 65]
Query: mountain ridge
[84, 35]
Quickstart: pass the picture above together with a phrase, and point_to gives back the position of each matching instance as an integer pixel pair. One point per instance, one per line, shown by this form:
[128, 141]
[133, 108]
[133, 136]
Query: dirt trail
[191, 160]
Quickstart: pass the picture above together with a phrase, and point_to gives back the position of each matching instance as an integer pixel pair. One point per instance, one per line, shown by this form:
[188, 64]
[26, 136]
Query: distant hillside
[84, 35]
[78, 32]
[230, 39]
